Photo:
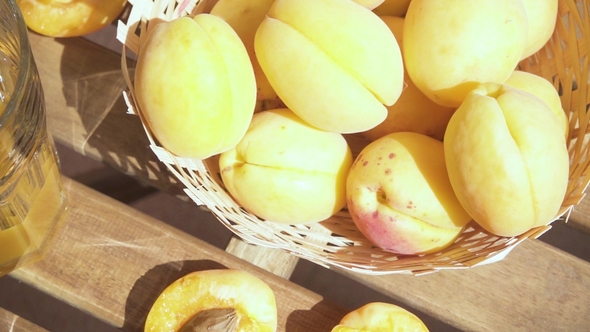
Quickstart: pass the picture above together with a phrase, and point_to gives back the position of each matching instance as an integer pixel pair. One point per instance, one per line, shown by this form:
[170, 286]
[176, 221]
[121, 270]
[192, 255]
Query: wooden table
[536, 288]
[113, 261]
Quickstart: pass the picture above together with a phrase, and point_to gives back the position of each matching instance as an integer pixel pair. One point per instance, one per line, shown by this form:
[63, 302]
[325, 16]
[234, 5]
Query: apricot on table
[69, 18]
[239, 298]
[380, 317]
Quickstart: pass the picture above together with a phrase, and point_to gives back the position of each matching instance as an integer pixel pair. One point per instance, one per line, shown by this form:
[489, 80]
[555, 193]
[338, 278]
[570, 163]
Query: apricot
[507, 159]
[380, 316]
[250, 301]
[543, 89]
[285, 170]
[369, 4]
[195, 85]
[542, 17]
[69, 18]
[334, 63]
[451, 46]
[245, 17]
[413, 111]
[399, 195]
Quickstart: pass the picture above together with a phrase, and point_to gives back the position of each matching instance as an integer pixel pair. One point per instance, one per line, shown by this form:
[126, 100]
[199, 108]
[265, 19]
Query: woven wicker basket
[337, 242]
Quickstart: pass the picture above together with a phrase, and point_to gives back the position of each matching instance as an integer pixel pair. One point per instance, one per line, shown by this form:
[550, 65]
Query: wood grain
[535, 288]
[276, 261]
[83, 86]
[112, 261]
[14, 323]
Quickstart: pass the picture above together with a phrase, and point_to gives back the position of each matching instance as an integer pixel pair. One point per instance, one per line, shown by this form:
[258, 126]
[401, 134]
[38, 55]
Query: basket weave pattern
[336, 242]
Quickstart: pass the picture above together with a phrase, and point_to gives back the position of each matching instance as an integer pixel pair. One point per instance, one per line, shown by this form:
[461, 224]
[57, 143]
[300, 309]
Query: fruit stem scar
[381, 197]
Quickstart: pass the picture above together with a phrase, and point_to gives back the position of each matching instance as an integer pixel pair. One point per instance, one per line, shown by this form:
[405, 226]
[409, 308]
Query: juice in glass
[32, 203]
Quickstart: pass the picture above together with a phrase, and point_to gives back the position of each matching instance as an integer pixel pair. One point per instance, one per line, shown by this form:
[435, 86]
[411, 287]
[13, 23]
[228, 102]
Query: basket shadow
[103, 129]
[149, 286]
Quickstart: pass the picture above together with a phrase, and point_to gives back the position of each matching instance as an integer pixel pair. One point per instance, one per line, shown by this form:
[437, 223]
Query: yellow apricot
[544, 90]
[245, 17]
[195, 85]
[542, 16]
[380, 316]
[284, 170]
[249, 296]
[451, 46]
[369, 4]
[334, 63]
[507, 159]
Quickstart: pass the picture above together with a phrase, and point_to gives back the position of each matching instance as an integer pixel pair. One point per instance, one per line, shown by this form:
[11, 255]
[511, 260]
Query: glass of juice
[32, 202]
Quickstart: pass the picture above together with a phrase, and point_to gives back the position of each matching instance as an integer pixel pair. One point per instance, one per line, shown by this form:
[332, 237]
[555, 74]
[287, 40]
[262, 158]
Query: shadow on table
[330, 283]
[148, 287]
[307, 320]
[46, 311]
[102, 128]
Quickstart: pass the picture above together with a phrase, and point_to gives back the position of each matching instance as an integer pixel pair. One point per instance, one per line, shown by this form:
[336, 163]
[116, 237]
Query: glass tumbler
[32, 202]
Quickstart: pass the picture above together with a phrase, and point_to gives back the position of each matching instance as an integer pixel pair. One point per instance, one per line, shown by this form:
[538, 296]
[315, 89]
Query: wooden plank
[276, 261]
[535, 288]
[112, 261]
[14, 323]
[83, 88]
[86, 112]
[580, 217]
